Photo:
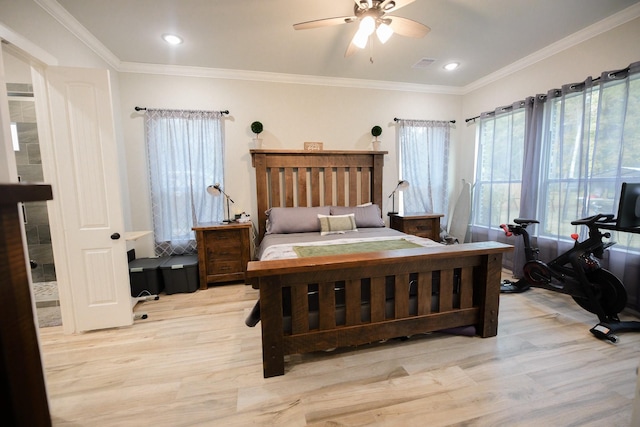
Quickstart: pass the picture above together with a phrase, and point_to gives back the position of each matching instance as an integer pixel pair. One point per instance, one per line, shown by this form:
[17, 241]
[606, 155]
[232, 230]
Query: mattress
[280, 246]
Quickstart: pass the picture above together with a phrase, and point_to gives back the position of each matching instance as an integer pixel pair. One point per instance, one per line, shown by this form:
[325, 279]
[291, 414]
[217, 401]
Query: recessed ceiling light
[171, 39]
[451, 66]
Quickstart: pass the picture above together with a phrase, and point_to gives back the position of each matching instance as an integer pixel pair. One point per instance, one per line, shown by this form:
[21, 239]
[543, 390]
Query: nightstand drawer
[420, 229]
[224, 241]
[220, 266]
[222, 251]
[421, 225]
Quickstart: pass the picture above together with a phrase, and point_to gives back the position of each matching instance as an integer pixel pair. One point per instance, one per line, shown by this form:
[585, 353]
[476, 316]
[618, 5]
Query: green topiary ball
[376, 131]
[256, 127]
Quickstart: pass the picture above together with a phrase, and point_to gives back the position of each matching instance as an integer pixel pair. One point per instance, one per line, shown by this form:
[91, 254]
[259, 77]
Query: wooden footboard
[428, 289]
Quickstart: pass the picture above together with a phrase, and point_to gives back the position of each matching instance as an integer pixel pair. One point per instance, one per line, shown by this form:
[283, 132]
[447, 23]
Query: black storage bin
[180, 274]
[145, 276]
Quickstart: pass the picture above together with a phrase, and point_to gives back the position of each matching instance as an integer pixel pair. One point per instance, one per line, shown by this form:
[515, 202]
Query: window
[186, 152]
[424, 159]
[590, 147]
[499, 168]
[581, 142]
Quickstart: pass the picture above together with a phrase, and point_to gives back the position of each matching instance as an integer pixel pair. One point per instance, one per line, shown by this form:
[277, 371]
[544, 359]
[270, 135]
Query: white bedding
[280, 246]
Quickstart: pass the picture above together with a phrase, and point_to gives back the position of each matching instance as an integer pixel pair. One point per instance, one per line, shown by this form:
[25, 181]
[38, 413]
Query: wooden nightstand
[223, 252]
[422, 225]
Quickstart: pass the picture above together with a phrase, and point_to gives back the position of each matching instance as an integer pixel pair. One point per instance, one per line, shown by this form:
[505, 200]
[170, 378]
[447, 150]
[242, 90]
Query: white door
[87, 194]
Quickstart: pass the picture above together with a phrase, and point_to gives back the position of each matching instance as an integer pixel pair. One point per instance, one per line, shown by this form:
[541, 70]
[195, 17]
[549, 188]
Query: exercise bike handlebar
[592, 222]
[602, 218]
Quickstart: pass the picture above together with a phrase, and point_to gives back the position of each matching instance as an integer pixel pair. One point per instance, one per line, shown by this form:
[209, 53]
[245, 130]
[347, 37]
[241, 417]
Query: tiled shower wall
[30, 170]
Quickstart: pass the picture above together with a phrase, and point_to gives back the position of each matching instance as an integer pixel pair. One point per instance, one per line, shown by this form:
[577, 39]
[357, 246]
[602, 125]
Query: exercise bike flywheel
[536, 272]
[609, 291]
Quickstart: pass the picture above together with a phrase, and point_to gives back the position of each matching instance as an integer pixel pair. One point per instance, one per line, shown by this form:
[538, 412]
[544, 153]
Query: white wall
[339, 117]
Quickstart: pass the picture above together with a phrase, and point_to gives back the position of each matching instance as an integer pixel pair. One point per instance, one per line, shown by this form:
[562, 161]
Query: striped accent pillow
[337, 224]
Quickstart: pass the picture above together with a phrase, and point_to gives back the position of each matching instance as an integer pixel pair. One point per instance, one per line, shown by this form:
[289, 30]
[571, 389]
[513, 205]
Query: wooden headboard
[287, 178]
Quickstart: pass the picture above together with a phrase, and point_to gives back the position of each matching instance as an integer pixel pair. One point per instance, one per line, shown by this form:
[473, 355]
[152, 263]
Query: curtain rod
[611, 74]
[395, 119]
[145, 108]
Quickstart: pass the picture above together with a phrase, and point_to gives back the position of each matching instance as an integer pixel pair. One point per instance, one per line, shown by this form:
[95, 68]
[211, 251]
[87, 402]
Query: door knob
[115, 236]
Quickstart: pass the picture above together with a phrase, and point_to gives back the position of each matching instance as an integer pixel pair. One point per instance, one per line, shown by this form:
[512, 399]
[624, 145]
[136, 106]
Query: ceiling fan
[372, 16]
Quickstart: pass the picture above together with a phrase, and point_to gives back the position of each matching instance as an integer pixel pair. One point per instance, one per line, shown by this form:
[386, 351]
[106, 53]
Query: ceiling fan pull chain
[371, 41]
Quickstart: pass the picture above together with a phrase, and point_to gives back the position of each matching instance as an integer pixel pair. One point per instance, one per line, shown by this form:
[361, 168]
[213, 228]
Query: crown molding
[218, 73]
[67, 20]
[607, 24]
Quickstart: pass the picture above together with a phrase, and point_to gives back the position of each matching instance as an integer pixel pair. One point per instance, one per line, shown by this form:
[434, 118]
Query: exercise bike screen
[629, 207]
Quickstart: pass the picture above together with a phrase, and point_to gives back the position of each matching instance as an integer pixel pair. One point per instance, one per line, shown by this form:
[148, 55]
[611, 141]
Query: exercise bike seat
[522, 221]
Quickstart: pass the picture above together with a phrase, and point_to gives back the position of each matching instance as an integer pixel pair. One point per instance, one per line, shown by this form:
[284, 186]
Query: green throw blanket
[354, 248]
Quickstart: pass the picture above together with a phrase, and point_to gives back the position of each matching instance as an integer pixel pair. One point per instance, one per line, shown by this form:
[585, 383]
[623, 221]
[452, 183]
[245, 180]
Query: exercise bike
[578, 273]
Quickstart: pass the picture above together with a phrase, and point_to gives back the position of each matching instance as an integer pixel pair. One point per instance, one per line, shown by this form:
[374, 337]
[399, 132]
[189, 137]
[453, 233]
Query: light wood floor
[193, 362]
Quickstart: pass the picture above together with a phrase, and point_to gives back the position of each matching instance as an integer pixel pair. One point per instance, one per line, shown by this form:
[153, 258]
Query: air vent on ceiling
[423, 63]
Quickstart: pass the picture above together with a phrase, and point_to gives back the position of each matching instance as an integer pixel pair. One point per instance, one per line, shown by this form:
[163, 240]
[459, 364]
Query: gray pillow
[295, 220]
[366, 216]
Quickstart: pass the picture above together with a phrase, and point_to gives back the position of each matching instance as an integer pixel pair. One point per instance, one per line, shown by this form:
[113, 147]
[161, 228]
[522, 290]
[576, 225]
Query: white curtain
[186, 152]
[498, 189]
[424, 163]
[591, 145]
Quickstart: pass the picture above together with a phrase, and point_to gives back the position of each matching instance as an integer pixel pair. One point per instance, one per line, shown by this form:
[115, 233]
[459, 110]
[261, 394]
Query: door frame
[39, 60]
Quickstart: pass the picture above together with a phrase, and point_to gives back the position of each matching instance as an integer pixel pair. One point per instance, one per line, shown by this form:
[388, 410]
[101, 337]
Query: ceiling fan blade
[397, 4]
[359, 3]
[324, 22]
[408, 27]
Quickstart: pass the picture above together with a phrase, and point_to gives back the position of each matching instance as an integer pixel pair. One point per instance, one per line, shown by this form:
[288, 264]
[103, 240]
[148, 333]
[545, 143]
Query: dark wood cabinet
[422, 225]
[223, 252]
[24, 395]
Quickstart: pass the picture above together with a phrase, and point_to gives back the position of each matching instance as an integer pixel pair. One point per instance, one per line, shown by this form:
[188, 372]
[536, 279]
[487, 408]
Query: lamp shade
[214, 190]
[403, 185]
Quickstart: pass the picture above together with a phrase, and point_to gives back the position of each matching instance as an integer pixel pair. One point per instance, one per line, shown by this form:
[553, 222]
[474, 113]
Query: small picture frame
[313, 146]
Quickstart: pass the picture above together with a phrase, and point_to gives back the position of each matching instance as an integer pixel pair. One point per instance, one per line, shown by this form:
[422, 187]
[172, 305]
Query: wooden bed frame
[453, 286]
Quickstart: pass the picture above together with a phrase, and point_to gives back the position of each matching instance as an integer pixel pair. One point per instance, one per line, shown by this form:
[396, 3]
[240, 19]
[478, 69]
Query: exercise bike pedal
[604, 332]
[509, 287]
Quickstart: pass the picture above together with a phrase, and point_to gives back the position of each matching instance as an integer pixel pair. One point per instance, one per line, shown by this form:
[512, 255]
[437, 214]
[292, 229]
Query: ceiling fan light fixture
[360, 39]
[367, 25]
[384, 33]
[371, 16]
